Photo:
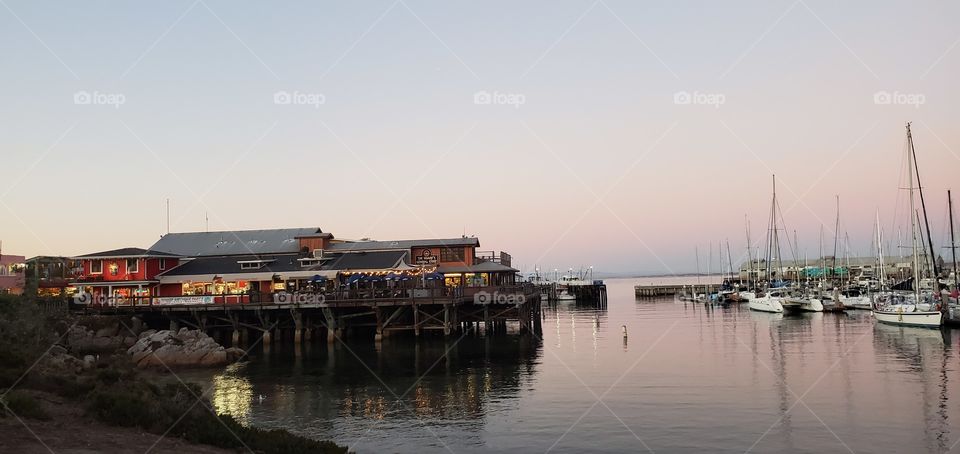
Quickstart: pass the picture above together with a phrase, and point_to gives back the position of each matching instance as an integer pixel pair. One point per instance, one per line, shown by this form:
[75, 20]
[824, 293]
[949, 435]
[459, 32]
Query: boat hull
[927, 319]
[766, 304]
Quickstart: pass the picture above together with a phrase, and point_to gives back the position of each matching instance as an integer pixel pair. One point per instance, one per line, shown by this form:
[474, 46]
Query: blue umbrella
[391, 276]
[433, 276]
[318, 278]
[354, 278]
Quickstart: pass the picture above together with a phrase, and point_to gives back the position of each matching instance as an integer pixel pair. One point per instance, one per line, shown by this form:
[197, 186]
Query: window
[163, 264]
[250, 265]
[96, 267]
[451, 255]
[133, 265]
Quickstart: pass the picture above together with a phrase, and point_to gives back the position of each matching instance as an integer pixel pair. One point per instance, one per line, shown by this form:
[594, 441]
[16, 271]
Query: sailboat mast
[923, 204]
[749, 252]
[836, 239]
[953, 244]
[883, 264]
[913, 221]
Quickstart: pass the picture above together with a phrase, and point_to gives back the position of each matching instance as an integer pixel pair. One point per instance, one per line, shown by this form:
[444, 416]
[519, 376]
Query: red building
[11, 273]
[122, 273]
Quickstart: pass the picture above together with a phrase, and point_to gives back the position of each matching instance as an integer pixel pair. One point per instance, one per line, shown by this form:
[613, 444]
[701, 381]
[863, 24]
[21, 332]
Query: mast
[836, 239]
[953, 244]
[883, 264]
[730, 261]
[913, 220]
[923, 205]
[823, 263]
[749, 252]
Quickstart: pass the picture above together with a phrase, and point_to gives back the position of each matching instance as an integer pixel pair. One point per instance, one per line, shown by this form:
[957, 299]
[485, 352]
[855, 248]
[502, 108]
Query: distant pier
[653, 291]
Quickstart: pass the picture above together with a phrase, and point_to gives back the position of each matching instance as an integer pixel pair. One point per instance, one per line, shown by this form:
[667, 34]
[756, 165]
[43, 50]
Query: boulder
[183, 348]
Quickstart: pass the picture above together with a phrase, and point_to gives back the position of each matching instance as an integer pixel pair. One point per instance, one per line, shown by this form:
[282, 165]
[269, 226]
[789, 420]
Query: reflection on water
[233, 394]
[691, 379]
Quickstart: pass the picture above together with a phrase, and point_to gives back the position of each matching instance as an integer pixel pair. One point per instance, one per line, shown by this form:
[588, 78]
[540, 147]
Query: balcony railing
[507, 294]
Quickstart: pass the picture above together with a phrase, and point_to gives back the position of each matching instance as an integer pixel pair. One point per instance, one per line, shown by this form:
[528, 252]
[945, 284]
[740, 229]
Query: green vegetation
[24, 406]
[115, 393]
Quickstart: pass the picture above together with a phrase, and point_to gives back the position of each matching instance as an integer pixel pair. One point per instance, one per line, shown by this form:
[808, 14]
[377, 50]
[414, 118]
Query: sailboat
[771, 299]
[904, 309]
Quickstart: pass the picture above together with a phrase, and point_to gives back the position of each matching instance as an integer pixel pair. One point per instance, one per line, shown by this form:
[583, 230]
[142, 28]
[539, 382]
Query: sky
[627, 136]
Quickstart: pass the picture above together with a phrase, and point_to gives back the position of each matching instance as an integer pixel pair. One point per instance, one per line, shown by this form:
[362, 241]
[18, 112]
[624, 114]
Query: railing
[493, 256]
[481, 295]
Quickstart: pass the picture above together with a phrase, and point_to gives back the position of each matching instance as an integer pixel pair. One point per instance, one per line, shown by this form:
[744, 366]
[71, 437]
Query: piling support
[446, 319]
[297, 325]
[416, 320]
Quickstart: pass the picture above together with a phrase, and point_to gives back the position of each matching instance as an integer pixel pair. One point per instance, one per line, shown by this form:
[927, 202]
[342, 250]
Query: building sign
[178, 300]
[424, 257]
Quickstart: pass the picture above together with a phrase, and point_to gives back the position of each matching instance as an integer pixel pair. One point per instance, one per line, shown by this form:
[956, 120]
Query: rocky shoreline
[97, 377]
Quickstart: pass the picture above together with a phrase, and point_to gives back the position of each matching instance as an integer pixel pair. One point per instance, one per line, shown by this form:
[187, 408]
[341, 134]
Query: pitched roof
[401, 244]
[286, 265]
[230, 265]
[236, 242]
[379, 260]
[127, 252]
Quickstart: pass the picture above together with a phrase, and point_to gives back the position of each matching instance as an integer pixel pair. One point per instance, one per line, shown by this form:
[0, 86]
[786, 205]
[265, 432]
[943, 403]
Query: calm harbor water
[687, 379]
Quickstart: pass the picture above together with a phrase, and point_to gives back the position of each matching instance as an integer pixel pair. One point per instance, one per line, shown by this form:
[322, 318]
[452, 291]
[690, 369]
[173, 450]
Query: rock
[147, 333]
[235, 354]
[183, 348]
[88, 362]
[109, 331]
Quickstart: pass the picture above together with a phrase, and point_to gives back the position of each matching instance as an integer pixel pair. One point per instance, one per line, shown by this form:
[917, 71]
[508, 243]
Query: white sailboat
[770, 300]
[899, 309]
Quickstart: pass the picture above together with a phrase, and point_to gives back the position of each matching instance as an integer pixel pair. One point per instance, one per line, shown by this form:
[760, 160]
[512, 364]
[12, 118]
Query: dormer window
[253, 264]
[133, 265]
[309, 262]
[96, 267]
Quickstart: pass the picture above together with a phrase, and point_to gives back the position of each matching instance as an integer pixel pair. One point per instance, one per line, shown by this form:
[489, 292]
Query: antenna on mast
[168, 216]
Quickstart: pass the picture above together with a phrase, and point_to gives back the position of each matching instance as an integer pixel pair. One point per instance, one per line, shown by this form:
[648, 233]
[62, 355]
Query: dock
[657, 290]
[338, 315]
[594, 294]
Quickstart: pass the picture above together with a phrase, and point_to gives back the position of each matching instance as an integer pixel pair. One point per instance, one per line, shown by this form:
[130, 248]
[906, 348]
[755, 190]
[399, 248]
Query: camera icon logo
[82, 97]
[482, 97]
[482, 297]
[682, 98]
[282, 98]
[882, 97]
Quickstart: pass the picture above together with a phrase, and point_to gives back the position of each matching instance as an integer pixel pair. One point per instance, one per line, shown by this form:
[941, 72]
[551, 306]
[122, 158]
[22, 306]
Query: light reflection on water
[687, 379]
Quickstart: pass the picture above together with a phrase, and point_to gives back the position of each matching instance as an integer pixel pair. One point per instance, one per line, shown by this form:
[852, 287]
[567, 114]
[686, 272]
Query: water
[687, 379]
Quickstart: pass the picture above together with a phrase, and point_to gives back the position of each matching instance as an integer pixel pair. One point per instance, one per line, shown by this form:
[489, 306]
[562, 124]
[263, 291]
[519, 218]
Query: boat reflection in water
[925, 354]
[344, 392]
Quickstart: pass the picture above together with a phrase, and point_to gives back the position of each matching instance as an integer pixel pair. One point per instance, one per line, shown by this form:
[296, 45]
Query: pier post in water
[297, 325]
[416, 320]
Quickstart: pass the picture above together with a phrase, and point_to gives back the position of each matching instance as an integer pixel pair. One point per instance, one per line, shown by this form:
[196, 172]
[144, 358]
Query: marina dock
[652, 291]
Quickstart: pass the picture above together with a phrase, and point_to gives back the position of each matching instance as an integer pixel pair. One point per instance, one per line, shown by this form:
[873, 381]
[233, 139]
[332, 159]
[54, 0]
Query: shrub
[24, 405]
